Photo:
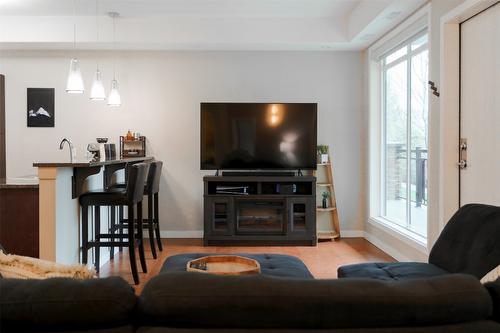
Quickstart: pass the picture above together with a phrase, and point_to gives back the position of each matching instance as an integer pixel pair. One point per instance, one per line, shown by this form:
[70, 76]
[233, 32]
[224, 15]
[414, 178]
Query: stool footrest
[122, 236]
[107, 243]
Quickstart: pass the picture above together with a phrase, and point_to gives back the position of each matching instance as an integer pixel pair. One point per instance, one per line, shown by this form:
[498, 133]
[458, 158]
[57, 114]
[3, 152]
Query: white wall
[161, 92]
[438, 9]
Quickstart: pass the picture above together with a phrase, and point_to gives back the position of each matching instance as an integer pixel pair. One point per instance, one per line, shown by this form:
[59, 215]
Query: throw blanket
[19, 267]
[492, 276]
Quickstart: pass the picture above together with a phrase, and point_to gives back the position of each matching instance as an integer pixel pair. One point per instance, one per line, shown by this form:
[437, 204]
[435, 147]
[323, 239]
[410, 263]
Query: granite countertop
[19, 182]
[92, 163]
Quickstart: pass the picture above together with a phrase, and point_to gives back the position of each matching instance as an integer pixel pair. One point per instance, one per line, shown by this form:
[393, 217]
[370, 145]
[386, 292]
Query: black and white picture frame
[41, 107]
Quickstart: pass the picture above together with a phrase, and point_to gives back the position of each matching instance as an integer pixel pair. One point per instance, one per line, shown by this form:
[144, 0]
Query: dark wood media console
[259, 210]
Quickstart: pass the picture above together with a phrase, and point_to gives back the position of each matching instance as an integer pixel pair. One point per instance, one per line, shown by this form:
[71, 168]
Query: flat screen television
[258, 136]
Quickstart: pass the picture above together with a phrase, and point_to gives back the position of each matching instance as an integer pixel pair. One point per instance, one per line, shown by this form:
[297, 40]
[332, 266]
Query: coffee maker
[102, 150]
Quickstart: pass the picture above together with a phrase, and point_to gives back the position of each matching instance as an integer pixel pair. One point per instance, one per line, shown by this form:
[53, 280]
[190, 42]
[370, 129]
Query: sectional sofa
[182, 302]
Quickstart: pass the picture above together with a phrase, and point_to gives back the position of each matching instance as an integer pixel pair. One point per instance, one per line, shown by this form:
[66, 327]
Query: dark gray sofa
[189, 302]
[469, 244]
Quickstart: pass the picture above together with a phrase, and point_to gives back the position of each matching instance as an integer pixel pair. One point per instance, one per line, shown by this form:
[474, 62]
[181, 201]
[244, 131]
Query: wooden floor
[322, 260]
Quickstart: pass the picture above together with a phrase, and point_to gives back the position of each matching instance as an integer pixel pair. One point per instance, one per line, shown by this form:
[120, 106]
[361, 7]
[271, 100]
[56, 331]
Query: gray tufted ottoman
[270, 264]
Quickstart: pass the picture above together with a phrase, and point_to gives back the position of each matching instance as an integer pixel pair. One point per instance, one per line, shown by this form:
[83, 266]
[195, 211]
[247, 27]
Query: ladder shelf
[326, 183]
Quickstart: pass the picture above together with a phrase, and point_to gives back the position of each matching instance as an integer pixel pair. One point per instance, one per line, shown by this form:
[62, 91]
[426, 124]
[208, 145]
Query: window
[405, 134]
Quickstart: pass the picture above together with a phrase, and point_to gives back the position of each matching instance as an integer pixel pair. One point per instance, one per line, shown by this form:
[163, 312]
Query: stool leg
[120, 230]
[150, 226]
[131, 245]
[157, 222]
[112, 231]
[85, 234]
[140, 238]
[97, 237]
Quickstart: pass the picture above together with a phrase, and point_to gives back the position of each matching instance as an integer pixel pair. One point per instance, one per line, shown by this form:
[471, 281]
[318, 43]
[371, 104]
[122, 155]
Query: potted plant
[322, 153]
[325, 195]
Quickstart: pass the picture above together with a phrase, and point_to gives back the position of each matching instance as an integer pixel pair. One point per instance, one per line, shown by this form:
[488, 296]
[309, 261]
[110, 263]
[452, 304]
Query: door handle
[462, 163]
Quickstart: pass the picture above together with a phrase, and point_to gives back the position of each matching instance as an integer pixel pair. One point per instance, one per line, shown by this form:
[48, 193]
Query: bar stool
[151, 190]
[131, 196]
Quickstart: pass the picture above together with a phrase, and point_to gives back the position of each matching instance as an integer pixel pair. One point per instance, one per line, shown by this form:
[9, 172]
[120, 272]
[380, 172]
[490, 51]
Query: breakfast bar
[60, 185]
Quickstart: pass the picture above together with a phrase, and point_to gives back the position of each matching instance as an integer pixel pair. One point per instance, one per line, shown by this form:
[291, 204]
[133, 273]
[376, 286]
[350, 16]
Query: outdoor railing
[418, 176]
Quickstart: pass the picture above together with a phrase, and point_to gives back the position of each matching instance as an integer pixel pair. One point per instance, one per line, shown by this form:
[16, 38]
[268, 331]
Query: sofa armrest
[64, 303]
[494, 290]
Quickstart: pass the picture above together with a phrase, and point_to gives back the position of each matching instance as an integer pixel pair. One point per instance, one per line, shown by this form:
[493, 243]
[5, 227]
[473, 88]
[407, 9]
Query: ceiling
[201, 24]
[169, 8]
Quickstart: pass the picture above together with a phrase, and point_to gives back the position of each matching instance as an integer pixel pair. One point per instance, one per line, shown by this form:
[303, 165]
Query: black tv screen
[246, 136]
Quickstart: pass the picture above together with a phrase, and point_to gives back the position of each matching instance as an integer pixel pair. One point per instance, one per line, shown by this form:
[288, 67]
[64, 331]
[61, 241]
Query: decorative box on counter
[133, 147]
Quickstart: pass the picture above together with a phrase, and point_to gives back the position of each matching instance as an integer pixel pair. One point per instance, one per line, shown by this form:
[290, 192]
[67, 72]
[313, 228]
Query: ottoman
[270, 264]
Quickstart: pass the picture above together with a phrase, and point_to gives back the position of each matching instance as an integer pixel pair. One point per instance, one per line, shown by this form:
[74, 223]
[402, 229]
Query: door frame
[449, 104]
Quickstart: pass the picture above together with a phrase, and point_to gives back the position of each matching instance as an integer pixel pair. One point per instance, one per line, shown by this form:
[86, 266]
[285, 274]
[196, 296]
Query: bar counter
[60, 185]
[91, 163]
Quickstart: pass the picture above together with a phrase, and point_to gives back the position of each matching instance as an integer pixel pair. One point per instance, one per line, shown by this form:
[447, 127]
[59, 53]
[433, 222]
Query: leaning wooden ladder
[333, 230]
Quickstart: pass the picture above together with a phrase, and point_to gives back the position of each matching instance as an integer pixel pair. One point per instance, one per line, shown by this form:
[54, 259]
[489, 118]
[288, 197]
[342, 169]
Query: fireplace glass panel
[220, 216]
[298, 216]
[260, 217]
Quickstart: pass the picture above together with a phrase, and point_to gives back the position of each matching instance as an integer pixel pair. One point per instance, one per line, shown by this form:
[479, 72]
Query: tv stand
[259, 210]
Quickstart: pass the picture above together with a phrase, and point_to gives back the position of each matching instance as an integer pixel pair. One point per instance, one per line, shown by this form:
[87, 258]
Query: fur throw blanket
[19, 267]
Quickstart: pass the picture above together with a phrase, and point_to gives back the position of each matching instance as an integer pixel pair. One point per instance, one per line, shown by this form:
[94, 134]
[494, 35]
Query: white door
[480, 107]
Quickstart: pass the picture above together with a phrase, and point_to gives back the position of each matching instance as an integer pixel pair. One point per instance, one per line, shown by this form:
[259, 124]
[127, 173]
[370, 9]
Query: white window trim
[408, 29]
[383, 158]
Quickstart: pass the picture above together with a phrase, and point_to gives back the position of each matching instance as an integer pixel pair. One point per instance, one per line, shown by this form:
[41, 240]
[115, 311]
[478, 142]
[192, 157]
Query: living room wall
[161, 92]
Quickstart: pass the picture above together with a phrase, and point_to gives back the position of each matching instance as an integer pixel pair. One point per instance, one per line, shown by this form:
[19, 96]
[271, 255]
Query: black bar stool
[152, 190]
[131, 196]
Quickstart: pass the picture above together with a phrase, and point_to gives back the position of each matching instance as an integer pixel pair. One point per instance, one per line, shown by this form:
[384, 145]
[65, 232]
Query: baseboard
[396, 254]
[352, 233]
[181, 234]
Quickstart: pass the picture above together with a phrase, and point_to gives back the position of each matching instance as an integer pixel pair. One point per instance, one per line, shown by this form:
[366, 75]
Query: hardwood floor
[322, 260]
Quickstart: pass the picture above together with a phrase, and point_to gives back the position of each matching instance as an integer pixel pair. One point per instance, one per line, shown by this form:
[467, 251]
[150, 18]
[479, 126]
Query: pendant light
[97, 92]
[74, 84]
[114, 98]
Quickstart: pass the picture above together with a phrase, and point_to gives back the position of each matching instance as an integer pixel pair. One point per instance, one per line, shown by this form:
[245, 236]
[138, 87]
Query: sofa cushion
[184, 299]
[270, 264]
[390, 270]
[470, 241]
[66, 303]
[494, 290]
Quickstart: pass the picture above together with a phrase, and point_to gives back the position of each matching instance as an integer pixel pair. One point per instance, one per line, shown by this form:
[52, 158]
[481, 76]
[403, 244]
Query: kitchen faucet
[72, 152]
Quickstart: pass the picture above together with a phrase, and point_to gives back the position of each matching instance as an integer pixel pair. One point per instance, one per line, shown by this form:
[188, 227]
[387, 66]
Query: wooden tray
[224, 265]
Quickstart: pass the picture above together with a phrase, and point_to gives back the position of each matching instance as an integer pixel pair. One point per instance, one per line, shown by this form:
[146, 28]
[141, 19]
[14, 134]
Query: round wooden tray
[224, 265]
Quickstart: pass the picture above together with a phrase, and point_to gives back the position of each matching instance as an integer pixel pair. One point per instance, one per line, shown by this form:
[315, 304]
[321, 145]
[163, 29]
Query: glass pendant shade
[114, 98]
[75, 81]
[97, 92]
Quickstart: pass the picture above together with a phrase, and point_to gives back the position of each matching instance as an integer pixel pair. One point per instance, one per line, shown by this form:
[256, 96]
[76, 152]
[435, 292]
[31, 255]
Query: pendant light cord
[74, 26]
[97, 25]
[114, 48]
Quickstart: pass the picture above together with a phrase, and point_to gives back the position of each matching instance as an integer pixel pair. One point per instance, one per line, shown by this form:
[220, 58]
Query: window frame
[384, 67]
[389, 236]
